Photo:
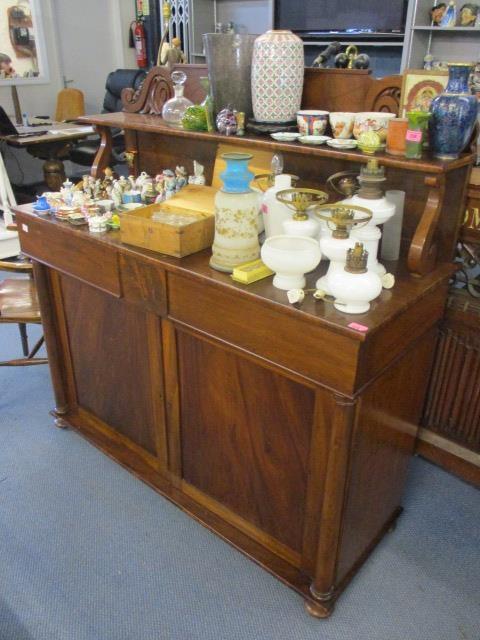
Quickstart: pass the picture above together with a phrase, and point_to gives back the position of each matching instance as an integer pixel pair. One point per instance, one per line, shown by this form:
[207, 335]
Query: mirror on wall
[22, 44]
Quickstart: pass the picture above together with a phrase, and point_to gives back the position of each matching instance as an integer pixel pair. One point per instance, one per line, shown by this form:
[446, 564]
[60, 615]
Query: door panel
[245, 434]
[113, 375]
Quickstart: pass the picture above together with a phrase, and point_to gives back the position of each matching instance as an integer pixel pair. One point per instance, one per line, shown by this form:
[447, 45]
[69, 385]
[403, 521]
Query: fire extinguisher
[140, 43]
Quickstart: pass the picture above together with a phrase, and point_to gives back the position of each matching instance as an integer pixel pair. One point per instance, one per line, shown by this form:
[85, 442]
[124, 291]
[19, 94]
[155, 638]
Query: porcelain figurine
[148, 194]
[277, 76]
[449, 18]
[170, 183]
[453, 114]
[67, 192]
[180, 178]
[236, 212]
[468, 15]
[355, 286]
[437, 12]
[116, 194]
[290, 257]
[198, 177]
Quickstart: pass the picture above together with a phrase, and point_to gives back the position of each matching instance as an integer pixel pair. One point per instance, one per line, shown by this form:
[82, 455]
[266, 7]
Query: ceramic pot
[372, 121]
[312, 123]
[236, 213]
[277, 76]
[290, 257]
[454, 113]
[396, 136]
[342, 125]
[229, 60]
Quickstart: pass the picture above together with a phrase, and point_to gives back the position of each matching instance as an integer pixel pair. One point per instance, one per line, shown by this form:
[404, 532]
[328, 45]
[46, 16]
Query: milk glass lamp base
[288, 282]
[360, 307]
[378, 268]
[322, 283]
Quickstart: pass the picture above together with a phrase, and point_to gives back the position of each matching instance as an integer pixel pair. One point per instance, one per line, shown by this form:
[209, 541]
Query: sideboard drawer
[314, 352]
[73, 254]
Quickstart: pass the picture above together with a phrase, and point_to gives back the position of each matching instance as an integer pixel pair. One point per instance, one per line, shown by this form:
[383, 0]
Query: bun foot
[317, 610]
[59, 422]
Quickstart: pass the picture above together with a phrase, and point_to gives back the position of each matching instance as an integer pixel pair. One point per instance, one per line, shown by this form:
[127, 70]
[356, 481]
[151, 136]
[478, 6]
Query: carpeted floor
[88, 552]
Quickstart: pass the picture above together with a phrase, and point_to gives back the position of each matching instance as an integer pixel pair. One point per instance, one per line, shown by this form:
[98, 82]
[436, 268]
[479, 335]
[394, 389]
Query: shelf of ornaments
[154, 124]
[446, 29]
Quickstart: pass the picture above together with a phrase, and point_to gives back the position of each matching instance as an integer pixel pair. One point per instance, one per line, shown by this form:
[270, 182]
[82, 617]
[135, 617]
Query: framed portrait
[23, 58]
[419, 88]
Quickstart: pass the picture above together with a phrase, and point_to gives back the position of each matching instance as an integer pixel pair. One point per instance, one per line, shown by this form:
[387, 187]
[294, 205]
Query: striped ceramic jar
[277, 76]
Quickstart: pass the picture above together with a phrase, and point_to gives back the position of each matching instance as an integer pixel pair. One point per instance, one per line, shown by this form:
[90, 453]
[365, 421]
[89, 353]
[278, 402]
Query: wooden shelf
[155, 124]
[447, 29]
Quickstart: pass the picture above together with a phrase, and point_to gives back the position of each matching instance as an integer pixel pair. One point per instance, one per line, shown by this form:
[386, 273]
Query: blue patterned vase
[454, 113]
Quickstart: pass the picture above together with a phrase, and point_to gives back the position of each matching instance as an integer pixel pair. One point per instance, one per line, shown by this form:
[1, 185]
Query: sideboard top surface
[408, 289]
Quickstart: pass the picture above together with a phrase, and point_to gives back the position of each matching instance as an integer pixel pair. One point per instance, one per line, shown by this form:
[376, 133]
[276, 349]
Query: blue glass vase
[454, 113]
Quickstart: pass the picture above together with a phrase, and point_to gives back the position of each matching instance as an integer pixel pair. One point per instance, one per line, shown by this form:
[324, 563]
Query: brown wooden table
[52, 148]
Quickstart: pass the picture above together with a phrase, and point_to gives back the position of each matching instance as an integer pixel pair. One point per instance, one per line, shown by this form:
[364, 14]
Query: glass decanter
[174, 109]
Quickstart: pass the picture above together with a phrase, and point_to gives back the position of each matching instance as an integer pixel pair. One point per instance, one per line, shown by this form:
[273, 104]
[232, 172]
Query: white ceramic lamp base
[286, 282]
[361, 307]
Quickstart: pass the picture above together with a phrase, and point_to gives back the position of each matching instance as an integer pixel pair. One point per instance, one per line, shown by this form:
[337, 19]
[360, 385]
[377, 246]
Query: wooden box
[194, 209]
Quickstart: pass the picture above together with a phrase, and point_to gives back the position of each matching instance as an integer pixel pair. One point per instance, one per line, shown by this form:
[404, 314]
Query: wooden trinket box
[182, 225]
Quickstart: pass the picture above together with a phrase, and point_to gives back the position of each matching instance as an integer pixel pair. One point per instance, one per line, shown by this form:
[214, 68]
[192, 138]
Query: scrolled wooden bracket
[152, 94]
[423, 248]
[103, 156]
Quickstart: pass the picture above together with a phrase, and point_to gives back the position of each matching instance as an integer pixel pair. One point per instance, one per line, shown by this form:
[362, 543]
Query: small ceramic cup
[342, 124]
[131, 196]
[311, 122]
[372, 121]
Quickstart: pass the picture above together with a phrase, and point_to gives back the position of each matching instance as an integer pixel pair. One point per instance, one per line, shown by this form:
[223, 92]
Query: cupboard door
[116, 355]
[245, 438]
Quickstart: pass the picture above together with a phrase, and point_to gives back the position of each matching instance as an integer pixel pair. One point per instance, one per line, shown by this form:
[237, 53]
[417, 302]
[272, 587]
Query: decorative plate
[342, 144]
[285, 136]
[314, 139]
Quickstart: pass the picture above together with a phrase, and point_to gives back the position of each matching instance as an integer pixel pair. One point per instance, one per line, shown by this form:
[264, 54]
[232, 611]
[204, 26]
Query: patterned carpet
[88, 552]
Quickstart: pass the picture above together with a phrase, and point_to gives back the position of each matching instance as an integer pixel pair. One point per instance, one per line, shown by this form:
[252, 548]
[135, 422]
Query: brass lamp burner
[266, 180]
[299, 200]
[343, 217]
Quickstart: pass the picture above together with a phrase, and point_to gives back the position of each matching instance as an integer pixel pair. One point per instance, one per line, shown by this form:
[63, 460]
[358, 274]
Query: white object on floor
[9, 244]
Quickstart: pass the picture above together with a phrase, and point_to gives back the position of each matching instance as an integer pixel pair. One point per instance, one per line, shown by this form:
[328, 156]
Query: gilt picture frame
[419, 87]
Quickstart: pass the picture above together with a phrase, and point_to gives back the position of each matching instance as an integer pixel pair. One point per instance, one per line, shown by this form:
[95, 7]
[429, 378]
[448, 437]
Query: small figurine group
[445, 16]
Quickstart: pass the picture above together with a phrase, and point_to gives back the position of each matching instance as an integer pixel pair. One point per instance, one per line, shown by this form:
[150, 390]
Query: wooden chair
[70, 105]
[19, 305]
